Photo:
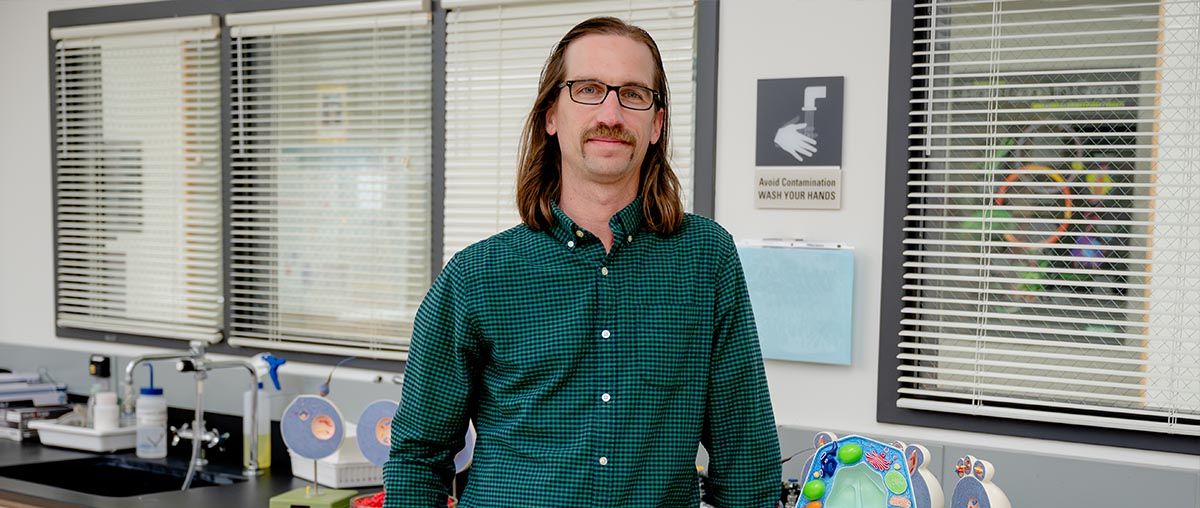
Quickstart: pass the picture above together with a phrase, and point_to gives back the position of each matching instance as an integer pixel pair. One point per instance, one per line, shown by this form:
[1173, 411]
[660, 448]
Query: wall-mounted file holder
[803, 297]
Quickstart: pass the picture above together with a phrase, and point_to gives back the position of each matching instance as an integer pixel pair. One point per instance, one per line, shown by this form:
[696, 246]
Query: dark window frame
[892, 292]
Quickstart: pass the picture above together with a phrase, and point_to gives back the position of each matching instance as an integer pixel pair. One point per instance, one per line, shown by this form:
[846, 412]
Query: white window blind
[494, 56]
[330, 149]
[138, 178]
[1052, 239]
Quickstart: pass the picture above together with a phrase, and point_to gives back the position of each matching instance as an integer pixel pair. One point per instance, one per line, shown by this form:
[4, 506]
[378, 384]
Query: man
[598, 342]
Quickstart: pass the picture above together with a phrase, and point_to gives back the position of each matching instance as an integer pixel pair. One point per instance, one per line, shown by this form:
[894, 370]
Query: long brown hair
[538, 172]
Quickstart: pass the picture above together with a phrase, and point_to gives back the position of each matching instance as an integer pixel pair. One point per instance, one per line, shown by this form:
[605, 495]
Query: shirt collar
[625, 223]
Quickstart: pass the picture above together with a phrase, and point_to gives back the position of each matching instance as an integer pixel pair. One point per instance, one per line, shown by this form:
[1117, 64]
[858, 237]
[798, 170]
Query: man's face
[605, 143]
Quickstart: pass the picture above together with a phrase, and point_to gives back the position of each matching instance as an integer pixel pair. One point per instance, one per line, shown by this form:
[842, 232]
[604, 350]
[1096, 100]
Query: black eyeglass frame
[657, 96]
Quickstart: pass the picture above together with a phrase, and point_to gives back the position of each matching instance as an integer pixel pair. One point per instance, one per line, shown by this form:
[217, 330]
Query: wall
[759, 39]
[813, 38]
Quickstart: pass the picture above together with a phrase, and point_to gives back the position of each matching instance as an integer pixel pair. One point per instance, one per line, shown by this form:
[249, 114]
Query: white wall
[812, 38]
[759, 39]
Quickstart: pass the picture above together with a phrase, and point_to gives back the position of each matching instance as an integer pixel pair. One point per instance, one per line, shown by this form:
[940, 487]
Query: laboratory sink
[115, 475]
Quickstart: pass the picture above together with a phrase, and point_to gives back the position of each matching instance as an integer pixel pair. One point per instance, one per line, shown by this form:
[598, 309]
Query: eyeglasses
[591, 92]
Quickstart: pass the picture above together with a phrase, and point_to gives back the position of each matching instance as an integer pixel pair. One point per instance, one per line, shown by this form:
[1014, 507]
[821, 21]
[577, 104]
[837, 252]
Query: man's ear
[551, 120]
[658, 125]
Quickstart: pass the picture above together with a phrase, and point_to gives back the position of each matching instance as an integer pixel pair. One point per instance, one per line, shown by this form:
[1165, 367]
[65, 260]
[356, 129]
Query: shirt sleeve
[429, 426]
[739, 426]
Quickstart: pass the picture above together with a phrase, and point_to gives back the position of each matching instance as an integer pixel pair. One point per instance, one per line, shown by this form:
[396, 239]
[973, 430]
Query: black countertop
[255, 492]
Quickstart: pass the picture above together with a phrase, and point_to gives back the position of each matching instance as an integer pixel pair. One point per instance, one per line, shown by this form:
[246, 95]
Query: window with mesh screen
[137, 179]
[1052, 233]
[330, 180]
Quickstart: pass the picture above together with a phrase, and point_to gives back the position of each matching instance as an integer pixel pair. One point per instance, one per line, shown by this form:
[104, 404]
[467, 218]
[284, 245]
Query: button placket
[605, 334]
[606, 380]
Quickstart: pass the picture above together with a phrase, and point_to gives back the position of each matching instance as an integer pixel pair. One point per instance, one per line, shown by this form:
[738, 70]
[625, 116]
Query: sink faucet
[195, 360]
[208, 438]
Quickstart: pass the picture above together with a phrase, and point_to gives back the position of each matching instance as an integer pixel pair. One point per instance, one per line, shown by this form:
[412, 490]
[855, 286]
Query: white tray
[85, 438]
[337, 475]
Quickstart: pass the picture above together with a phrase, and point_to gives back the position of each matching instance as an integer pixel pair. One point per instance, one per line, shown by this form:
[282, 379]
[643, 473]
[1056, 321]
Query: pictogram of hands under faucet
[798, 138]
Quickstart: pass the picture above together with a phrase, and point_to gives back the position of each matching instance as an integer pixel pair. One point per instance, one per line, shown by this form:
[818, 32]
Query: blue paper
[803, 300]
[374, 431]
[312, 427]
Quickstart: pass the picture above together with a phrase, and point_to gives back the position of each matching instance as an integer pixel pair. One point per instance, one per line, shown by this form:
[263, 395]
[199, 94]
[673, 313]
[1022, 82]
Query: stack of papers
[24, 398]
[26, 390]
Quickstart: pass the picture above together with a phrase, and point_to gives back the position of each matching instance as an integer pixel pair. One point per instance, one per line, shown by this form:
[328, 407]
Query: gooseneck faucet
[197, 362]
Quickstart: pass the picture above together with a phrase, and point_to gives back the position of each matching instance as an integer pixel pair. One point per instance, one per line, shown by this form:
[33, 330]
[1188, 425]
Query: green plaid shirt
[591, 376]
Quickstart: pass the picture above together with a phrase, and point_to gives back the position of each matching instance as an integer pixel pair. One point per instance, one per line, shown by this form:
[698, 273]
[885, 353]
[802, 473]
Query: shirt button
[604, 270]
[579, 233]
[606, 334]
[571, 244]
[603, 461]
[629, 238]
[606, 397]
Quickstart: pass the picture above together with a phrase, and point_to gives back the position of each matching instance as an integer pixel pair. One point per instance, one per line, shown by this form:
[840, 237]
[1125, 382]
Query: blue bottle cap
[151, 390]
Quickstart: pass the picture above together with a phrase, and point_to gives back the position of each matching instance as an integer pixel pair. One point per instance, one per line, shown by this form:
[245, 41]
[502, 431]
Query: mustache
[608, 131]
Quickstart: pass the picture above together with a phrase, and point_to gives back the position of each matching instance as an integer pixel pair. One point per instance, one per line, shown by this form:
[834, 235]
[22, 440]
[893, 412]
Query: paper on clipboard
[803, 296]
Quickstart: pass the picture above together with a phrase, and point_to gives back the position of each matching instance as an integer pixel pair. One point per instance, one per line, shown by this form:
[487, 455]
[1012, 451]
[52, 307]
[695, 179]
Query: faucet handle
[213, 438]
[176, 433]
[185, 365]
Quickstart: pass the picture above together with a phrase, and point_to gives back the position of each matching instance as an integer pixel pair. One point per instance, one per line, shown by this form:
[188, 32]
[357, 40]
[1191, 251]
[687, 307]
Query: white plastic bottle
[264, 427]
[105, 416]
[151, 413]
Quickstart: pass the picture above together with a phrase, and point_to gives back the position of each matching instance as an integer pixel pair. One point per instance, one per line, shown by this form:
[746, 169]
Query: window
[1050, 227]
[137, 179]
[494, 55]
[330, 154]
[288, 196]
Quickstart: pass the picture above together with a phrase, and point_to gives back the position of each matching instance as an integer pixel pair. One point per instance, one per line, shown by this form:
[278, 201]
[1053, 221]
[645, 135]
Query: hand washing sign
[798, 157]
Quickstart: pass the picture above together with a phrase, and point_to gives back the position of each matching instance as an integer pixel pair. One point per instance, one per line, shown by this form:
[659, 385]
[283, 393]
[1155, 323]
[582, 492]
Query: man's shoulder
[699, 226]
[484, 252]
[698, 229]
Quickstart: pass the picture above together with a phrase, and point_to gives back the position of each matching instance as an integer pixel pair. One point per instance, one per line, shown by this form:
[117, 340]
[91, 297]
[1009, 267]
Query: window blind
[330, 147]
[138, 178]
[494, 56]
[1052, 237]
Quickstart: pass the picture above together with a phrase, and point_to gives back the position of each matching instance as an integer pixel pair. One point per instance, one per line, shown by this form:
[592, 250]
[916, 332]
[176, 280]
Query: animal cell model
[927, 491]
[975, 488]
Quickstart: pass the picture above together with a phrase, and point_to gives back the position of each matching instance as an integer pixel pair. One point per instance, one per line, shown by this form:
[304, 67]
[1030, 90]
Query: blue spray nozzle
[273, 363]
